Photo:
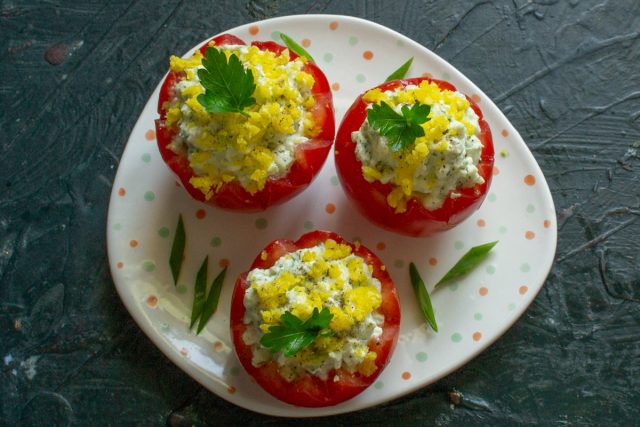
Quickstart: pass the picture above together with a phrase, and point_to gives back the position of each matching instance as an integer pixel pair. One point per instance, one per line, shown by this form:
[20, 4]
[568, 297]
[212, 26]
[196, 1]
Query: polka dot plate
[471, 312]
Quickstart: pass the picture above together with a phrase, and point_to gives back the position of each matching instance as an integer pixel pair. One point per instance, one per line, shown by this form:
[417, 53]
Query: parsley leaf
[401, 130]
[292, 335]
[229, 86]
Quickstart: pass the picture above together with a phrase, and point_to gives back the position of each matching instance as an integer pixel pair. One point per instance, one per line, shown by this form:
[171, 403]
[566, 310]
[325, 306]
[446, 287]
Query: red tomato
[309, 156]
[371, 197]
[309, 390]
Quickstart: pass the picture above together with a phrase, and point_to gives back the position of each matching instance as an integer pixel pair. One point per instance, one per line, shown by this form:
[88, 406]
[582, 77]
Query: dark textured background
[74, 78]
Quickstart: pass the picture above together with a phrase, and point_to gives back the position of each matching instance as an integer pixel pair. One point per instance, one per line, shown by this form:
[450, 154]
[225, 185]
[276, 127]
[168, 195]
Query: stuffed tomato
[244, 127]
[415, 156]
[318, 273]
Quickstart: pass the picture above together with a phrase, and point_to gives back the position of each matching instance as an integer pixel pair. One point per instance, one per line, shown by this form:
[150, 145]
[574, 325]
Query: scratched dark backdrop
[74, 78]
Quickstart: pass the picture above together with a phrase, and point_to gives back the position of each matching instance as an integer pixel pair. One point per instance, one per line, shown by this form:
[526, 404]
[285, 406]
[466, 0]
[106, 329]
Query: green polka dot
[308, 225]
[378, 385]
[276, 36]
[446, 76]
[164, 327]
[148, 266]
[502, 229]
[398, 263]
[353, 40]
[492, 197]
[459, 245]
[163, 232]
[456, 337]
[149, 196]
[146, 157]
[182, 289]
[453, 287]
[525, 268]
[511, 307]
[490, 269]
[334, 180]
[328, 57]
[216, 241]
[261, 223]
[400, 43]
[360, 78]
[421, 356]
[477, 316]
[235, 371]
[531, 208]
[117, 227]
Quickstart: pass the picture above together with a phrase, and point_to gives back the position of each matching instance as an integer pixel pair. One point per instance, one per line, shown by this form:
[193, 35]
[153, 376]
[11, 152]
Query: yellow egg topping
[325, 276]
[226, 147]
[438, 163]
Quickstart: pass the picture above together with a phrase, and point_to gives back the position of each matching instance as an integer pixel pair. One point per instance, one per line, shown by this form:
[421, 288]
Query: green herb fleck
[468, 262]
[292, 335]
[211, 304]
[177, 251]
[400, 72]
[295, 47]
[200, 292]
[401, 130]
[229, 86]
[423, 297]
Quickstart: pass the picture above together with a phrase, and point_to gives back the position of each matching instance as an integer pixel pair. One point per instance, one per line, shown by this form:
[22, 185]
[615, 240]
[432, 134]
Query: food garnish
[401, 71]
[204, 306]
[295, 47]
[292, 335]
[177, 251]
[401, 130]
[423, 296]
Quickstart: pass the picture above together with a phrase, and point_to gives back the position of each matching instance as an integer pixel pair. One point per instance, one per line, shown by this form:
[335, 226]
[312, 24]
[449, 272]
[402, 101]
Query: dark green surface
[567, 75]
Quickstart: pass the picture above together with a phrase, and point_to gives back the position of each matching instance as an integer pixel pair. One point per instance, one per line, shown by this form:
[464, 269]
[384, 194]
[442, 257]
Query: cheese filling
[226, 147]
[442, 161]
[327, 275]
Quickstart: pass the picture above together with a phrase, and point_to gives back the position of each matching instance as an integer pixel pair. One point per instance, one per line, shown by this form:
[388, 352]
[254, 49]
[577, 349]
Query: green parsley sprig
[228, 85]
[293, 334]
[401, 130]
[468, 262]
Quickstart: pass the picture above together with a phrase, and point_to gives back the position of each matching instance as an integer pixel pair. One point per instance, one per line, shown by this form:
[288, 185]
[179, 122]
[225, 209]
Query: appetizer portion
[315, 321]
[415, 156]
[244, 127]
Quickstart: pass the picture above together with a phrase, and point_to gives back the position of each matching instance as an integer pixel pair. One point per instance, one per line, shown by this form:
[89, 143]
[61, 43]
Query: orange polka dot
[406, 375]
[184, 351]
[547, 223]
[133, 243]
[121, 191]
[496, 171]
[481, 222]
[523, 289]
[150, 135]
[218, 346]
[333, 25]
[335, 86]
[427, 75]
[223, 263]
[201, 213]
[368, 55]
[152, 301]
[483, 291]
[475, 98]
[477, 336]
[504, 133]
[120, 264]
[306, 42]
[330, 208]
[529, 180]
[381, 246]
[253, 30]
[231, 389]
[529, 235]
[433, 261]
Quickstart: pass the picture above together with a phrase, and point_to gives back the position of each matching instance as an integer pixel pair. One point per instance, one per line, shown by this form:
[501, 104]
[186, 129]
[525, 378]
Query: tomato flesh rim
[309, 390]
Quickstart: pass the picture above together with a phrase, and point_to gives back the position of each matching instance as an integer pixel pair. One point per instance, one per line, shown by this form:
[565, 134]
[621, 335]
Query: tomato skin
[309, 156]
[371, 197]
[309, 390]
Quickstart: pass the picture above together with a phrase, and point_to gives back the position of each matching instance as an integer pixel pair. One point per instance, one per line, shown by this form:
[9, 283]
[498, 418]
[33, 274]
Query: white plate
[355, 54]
